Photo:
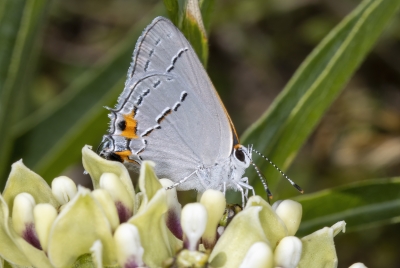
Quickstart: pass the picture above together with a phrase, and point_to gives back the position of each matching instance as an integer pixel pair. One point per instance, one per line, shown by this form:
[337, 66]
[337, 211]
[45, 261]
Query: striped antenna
[100, 145]
[263, 181]
[260, 175]
[280, 171]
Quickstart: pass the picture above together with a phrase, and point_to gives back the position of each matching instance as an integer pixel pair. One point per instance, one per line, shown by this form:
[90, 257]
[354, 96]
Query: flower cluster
[112, 226]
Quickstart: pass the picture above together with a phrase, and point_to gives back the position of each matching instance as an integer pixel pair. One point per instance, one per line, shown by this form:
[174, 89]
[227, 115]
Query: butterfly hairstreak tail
[170, 113]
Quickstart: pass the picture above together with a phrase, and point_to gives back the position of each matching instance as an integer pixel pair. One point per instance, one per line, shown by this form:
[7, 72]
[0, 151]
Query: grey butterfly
[170, 113]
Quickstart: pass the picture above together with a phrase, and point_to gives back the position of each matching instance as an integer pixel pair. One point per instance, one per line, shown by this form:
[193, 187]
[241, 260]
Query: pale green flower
[112, 226]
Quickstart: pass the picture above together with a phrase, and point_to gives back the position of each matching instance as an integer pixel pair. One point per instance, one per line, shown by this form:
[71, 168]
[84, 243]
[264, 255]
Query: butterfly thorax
[219, 176]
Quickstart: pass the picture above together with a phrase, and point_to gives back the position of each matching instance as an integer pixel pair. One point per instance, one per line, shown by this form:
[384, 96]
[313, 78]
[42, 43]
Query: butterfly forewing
[169, 111]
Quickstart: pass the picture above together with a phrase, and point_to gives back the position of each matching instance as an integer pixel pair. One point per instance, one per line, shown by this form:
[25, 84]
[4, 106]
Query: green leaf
[194, 31]
[51, 138]
[206, 7]
[175, 9]
[20, 23]
[288, 122]
[187, 16]
[360, 205]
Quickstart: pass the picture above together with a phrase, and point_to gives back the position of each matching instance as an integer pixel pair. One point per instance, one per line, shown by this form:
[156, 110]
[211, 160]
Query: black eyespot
[114, 157]
[240, 155]
[122, 125]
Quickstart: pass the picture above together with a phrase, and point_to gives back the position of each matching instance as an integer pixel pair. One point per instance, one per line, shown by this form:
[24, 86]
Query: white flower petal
[64, 189]
[259, 255]
[288, 252]
[290, 212]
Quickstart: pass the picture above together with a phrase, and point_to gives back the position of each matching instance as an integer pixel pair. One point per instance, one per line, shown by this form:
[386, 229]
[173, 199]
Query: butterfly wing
[169, 111]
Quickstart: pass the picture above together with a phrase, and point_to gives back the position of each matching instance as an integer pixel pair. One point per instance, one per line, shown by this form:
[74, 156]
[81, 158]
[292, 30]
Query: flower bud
[259, 255]
[120, 195]
[64, 189]
[173, 215]
[215, 203]
[288, 252]
[358, 265]
[193, 221]
[44, 215]
[128, 246]
[23, 220]
[108, 206]
[290, 212]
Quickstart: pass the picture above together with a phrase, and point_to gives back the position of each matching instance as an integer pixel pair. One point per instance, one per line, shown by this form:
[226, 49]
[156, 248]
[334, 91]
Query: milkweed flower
[113, 226]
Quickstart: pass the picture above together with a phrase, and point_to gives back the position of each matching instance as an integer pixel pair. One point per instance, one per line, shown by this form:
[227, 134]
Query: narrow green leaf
[20, 23]
[175, 9]
[285, 126]
[361, 205]
[187, 16]
[52, 138]
[206, 7]
[193, 29]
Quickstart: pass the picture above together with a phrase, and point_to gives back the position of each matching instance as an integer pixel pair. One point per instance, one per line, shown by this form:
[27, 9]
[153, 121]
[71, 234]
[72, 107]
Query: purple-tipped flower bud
[193, 221]
[173, 215]
[128, 246]
[120, 195]
[23, 220]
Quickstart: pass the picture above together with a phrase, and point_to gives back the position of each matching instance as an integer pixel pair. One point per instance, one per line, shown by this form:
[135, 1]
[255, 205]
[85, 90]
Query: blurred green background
[255, 47]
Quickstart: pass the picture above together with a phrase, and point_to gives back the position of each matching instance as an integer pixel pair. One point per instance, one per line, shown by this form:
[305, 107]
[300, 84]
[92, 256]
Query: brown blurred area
[255, 47]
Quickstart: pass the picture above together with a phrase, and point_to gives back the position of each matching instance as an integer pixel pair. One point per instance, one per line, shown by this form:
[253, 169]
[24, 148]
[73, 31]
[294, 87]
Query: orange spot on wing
[131, 124]
[125, 156]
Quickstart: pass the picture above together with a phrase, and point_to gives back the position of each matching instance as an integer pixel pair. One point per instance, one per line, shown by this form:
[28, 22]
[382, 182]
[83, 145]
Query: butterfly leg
[176, 184]
[242, 192]
[244, 183]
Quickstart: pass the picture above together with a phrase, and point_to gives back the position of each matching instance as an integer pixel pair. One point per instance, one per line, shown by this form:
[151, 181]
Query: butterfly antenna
[98, 147]
[280, 171]
[263, 181]
[260, 175]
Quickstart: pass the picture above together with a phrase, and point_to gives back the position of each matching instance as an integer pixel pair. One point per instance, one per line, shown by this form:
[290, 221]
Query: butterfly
[170, 113]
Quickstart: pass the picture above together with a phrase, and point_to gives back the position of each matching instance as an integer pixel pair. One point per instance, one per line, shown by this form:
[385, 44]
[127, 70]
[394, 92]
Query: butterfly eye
[240, 155]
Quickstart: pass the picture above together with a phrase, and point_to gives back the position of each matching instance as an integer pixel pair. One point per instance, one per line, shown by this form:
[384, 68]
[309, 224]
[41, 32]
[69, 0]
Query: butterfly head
[241, 156]
[106, 149]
